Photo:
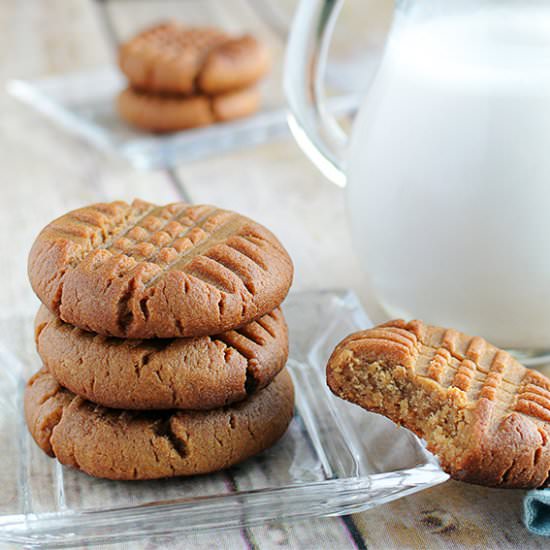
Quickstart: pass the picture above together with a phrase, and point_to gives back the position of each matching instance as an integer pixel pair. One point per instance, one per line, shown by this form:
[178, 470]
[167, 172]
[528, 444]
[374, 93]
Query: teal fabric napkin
[536, 512]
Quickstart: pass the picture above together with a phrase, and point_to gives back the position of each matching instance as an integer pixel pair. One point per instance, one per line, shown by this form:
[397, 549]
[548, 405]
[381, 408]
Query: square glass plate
[84, 103]
[335, 458]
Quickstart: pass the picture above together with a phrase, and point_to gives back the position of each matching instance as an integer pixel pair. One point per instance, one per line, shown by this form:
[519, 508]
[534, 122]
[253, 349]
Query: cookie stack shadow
[184, 77]
[162, 340]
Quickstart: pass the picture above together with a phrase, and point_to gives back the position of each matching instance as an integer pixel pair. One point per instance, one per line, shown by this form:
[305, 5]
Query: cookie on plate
[145, 271]
[117, 444]
[173, 58]
[170, 113]
[485, 415]
[181, 373]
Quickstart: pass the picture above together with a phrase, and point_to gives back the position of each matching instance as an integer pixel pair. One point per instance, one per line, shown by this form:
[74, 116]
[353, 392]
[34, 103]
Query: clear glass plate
[335, 458]
[84, 104]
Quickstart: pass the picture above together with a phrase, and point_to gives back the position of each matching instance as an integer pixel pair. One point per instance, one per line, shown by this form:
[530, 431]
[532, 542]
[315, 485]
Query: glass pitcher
[447, 168]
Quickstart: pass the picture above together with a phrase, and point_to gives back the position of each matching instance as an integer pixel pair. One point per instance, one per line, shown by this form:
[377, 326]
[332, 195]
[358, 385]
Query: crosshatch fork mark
[187, 255]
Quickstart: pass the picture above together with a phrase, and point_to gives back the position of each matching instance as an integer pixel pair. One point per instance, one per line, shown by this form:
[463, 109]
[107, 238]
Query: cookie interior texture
[482, 413]
[186, 373]
[145, 271]
[127, 445]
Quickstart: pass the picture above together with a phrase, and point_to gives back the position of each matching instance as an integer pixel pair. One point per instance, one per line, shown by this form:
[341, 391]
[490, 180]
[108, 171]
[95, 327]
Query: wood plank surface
[47, 172]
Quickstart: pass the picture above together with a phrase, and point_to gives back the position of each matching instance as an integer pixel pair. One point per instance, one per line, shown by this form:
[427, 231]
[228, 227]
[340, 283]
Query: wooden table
[45, 172]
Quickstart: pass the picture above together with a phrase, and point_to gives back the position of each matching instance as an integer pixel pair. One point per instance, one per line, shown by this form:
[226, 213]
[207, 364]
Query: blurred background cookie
[169, 113]
[184, 77]
[173, 58]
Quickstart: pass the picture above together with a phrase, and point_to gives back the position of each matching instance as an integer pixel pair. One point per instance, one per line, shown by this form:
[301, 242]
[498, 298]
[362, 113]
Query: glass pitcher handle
[315, 129]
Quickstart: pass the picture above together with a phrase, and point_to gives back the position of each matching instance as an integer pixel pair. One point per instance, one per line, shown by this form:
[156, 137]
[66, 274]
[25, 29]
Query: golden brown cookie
[162, 113]
[237, 104]
[481, 412]
[181, 373]
[146, 271]
[173, 58]
[236, 64]
[117, 444]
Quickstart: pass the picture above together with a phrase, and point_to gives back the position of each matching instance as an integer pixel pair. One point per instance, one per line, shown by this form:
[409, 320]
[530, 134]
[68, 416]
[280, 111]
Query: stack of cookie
[162, 340]
[184, 77]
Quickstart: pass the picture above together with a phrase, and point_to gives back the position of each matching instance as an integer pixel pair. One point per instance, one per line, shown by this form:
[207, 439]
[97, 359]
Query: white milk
[449, 175]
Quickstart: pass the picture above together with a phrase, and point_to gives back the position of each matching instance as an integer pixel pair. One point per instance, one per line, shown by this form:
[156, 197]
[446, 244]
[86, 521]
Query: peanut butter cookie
[181, 373]
[118, 444]
[481, 412]
[147, 271]
[173, 58]
[170, 113]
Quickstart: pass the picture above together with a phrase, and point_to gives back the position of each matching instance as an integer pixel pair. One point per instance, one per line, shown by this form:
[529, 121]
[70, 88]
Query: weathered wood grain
[453, 515]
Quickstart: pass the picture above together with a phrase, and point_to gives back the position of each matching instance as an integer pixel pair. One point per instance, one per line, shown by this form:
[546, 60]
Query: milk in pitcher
[449, 175]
